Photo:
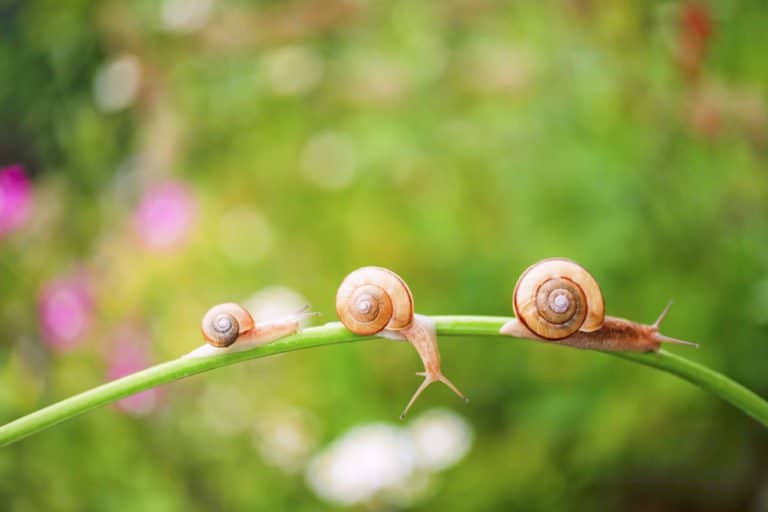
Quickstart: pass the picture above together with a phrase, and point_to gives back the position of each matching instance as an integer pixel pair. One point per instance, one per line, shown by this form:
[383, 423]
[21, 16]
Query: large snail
[373, 300]
[557, 300]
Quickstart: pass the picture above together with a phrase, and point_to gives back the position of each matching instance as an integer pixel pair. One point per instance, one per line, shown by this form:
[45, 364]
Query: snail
[224, 323]
[229, 327]
[375, 300]
[557, 300]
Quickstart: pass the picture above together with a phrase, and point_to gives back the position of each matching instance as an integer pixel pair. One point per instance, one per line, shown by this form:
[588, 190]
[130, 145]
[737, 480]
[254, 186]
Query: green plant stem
[333, 333]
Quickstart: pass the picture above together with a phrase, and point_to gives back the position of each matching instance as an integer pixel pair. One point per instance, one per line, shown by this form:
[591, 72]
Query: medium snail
[229, 327]
[558, 301]
[374, 300]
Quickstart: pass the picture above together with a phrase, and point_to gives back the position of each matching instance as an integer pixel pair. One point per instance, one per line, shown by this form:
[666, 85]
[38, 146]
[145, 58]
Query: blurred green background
[160, 157]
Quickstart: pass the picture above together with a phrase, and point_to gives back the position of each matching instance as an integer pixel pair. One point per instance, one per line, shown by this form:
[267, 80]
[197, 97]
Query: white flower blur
[441, 438]
[364, 462]
[186, 15]
[117, 83]
[275, 302]
[384, 461]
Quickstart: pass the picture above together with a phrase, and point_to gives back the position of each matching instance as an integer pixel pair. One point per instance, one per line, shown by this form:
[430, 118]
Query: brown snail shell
[372, 299]
[222, 324]
[557, 297]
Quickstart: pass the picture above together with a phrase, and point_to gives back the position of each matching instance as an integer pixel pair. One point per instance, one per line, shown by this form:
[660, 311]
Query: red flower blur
[65, 309]
[694, 32]
[165, 216]
[15, 198]
[129, 354]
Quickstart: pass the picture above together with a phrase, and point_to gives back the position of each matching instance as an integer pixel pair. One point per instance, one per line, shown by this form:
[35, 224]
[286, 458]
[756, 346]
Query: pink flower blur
[129, 355]
[15, 198]
[66, 311]
[165, 216]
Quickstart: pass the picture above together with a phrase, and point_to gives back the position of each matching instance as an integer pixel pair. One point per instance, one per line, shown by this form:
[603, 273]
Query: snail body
[373, 300]
[558, 300]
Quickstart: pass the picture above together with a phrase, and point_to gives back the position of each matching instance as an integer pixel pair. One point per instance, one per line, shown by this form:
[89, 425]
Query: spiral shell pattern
[372, 299]
[222, 324]
[556, 297]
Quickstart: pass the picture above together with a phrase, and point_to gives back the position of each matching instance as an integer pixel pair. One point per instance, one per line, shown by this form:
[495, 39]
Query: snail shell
[222, 324]
[556, 297]
[372, 299]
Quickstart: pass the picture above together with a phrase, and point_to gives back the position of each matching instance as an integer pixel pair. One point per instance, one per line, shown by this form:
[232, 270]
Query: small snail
[224, 323]
[374, 300]
[557, 300]
[230, 327]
